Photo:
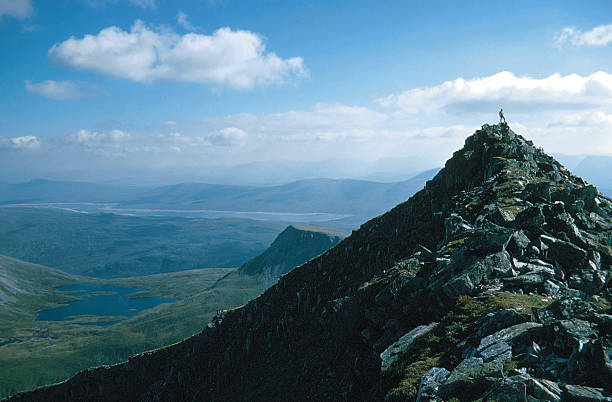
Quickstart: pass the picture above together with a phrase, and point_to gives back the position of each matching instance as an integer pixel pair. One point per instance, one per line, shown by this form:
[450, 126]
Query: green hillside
[34, 353]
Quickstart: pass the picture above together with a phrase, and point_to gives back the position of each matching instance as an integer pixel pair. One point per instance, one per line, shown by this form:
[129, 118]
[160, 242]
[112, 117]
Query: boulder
[454, 227]
[511, 389]
[567, 254]
[464, 283]
[587, 195]
[470, 375]
[537, 192]
[493, 322]
[403, 345]
[531, 217]
[515, 333]
[483, 242]
[545, 389]
[430, 382]
[586, 363]
[518, 242]
[499, 351]
[579, 393]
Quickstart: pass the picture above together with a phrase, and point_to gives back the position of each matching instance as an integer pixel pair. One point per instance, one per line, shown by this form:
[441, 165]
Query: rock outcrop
[491, 283]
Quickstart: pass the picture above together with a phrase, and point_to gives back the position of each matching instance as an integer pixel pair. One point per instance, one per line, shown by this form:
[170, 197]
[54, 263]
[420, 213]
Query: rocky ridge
[491, 283]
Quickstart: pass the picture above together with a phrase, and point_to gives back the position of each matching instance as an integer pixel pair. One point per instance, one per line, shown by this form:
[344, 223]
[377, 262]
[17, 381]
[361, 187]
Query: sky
[89, 85]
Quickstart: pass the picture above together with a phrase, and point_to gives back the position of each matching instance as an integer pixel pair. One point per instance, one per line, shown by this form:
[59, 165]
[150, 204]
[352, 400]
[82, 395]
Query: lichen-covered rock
[403, 345]
[430, 382]
[579, 393]
[471, 375]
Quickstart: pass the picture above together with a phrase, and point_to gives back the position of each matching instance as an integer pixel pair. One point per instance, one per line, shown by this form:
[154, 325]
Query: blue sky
[150, 83]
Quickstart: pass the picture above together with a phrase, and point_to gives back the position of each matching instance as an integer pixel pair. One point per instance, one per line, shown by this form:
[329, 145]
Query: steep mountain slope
[292, 247]
[492, 282]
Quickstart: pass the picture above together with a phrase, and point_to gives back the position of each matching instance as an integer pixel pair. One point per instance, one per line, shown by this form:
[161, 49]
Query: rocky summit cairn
[491, 283]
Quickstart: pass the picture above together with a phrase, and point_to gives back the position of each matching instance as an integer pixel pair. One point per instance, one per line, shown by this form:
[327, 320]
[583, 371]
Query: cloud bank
[237, 59]
[521, 94]
[569, 114]
[596, 37]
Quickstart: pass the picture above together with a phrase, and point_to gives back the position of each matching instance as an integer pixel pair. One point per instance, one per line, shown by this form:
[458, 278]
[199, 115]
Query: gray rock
[586, 194]
[538, 192]
[571, 335]
[502, 217]
[497, 264]
[531, 217]
[606, 356]
[545, 389]
[454, 227]
[511, 389]
[484, 242]
[470, 373]
[430, 382]
[579, 393]
[493, 322]
[518, 242]
[402, 346]
[566, 253]
[526, 280]
[551, 288]
[499, 351]
[515, 333]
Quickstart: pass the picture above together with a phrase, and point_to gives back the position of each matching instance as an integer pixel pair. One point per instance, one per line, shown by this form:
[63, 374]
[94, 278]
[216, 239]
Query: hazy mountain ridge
[491, 282]
[110, 245]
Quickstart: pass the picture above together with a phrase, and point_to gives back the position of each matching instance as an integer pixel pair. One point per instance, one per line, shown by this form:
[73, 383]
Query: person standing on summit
[501, 116]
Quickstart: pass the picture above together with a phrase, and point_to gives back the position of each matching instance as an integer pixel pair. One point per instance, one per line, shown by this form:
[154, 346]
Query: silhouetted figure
[501, 117]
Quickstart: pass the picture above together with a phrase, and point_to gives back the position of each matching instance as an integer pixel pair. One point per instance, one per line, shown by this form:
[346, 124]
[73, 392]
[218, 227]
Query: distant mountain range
[262, 173]
[109, 245]
[350, 201]
[315, 195]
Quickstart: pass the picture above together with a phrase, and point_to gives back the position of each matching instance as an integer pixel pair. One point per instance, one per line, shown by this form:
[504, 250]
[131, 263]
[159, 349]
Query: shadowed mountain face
[294, 246]
[492, 282]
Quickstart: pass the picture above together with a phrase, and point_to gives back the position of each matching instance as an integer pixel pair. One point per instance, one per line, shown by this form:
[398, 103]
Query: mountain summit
[492, 283]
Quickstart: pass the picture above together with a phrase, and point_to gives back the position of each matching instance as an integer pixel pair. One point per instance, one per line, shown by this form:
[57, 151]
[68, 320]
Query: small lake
[100, 300]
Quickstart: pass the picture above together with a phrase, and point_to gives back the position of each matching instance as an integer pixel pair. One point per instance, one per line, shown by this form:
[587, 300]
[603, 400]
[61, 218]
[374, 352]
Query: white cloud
[114, 142]
[599, 36]
[228, 136]
[520, 94]
[57, 90]
[24, 142]
[15, 8]
[183, 21]
[234, 58]
[170, 123]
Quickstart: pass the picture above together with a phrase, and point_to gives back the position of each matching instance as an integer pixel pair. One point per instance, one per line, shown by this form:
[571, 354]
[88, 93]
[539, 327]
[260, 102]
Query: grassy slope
[106, 245]
[49, 351]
